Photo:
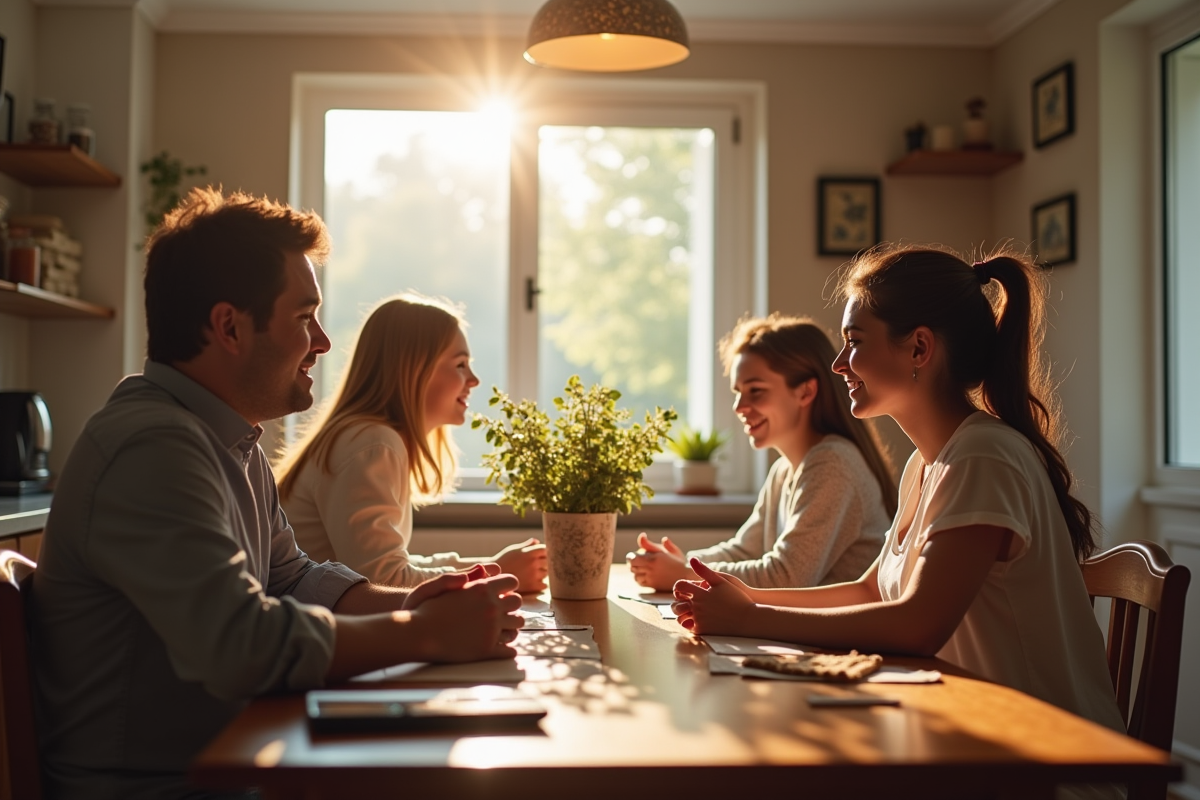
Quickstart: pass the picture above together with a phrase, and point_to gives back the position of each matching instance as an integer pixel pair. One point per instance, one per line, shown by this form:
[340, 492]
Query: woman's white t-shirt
[1031, 626]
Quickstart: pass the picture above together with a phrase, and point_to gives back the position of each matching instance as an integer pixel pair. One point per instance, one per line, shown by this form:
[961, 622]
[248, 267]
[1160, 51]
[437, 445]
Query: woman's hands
[718, 603]
[527, 561]
[658, 566]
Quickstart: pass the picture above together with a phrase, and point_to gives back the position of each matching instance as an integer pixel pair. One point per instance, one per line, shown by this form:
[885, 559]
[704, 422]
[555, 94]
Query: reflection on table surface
[649, 717]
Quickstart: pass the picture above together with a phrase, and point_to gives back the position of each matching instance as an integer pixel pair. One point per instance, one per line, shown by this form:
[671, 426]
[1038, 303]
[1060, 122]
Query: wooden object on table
[47, 165]
[23, 300]
[974, 163]
[1136, 576]
[651, 720]
[19, 753]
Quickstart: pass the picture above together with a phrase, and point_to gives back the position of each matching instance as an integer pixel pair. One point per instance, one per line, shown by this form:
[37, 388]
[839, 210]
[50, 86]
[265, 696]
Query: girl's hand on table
[658, 566]
[718, 603]
[527, 561]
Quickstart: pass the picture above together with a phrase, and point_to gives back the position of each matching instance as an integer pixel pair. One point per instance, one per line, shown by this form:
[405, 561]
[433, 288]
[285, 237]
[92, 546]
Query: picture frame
[848, 219]
[1054, 231]
[1054, 105]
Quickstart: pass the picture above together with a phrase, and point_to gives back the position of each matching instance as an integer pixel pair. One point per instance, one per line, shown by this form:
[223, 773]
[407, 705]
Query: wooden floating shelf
[954, 162]
[23, 300]
[45, 165]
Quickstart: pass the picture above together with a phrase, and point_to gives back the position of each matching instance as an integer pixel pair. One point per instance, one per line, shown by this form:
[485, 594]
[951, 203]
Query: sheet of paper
[667, 613]
[742, 646]
[653, 598]
[546, 621]
[558, 644]
[732, 665]
[500, 670]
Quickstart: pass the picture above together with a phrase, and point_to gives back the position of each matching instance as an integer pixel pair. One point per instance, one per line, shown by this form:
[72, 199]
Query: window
[1181, 252]
[603, 228]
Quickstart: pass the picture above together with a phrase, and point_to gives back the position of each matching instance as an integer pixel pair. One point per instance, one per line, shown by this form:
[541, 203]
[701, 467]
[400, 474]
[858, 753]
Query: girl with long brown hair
[981, 564]
[383, 447]
[825, 505]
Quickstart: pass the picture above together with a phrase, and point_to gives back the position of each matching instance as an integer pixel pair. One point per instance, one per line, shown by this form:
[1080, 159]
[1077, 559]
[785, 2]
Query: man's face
[276, 379]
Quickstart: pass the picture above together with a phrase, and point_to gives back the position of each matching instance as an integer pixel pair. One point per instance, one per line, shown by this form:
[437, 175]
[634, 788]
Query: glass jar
[79, 133]
[24, 258]
[44, 127]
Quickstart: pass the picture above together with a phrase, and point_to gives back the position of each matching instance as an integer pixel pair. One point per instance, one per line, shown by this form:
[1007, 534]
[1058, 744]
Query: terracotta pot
[696, 477]
[579, 549]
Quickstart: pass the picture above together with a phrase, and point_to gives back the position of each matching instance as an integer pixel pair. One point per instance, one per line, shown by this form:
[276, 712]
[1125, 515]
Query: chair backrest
[21, 767]
[1140, 574]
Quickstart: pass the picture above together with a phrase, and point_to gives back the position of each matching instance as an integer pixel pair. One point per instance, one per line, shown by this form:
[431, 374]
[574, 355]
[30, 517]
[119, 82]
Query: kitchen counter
[24, 514]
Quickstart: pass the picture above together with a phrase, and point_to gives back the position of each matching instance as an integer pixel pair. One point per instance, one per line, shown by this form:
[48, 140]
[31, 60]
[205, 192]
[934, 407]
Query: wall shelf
[23, 300]
[954, 162]
[43, 165]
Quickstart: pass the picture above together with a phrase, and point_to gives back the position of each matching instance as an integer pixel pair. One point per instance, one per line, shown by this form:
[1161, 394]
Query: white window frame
[734, 109]
[1163, 37]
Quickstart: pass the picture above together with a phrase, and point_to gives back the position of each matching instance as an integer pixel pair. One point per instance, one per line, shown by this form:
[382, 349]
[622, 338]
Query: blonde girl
[383, 447]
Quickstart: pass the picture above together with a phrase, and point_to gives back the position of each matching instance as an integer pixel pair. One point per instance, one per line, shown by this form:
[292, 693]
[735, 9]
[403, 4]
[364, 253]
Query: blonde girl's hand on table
[527, 561]
[658, 565]
[718, 603]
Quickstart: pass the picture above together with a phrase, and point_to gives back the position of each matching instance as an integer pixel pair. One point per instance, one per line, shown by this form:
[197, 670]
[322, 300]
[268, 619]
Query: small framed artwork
[847, 215]
[1054, 231]
[1054, 105]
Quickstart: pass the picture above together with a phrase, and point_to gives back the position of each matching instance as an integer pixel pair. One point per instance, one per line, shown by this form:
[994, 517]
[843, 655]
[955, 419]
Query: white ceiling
[972, 23]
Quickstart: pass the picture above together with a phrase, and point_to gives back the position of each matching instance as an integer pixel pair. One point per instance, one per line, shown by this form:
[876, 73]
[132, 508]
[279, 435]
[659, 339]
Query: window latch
[531, 293]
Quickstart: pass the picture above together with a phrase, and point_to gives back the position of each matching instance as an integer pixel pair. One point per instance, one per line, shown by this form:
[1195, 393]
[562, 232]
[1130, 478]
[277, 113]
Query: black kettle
[24, 443]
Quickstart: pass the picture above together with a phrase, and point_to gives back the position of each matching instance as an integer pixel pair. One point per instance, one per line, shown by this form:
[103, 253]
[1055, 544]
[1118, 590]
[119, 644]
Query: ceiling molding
[1016, 18]
[699, 30]
[183, 20]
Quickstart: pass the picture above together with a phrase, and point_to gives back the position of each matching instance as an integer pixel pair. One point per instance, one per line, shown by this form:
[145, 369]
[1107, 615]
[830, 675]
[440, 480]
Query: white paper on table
[743, 646]
[666, 612]
[653, 598]
[497, 670]
[566, 643]
[545, 623]
[732, 665]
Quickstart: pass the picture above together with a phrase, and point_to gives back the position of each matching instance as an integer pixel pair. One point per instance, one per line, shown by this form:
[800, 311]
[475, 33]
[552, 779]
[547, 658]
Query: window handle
[531, 293]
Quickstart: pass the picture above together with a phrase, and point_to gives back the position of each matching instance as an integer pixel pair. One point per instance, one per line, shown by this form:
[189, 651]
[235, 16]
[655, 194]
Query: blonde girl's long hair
[385, 382]
[799, 350]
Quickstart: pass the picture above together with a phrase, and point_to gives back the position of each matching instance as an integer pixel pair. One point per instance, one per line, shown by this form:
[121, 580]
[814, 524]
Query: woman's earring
[914, 374]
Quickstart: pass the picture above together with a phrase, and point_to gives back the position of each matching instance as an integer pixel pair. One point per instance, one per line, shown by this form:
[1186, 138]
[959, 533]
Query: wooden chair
[19, 754]
[1139, 575]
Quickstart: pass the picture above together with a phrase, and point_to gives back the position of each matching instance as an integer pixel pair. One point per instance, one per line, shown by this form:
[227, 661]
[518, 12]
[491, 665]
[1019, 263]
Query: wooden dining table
[649, 720]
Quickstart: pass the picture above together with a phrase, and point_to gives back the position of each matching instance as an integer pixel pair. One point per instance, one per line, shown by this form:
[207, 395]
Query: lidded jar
[79, 132]
[44, 127]
[24, 257]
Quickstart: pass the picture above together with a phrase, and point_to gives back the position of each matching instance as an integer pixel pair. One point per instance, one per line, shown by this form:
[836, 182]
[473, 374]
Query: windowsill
[1170, 496]
[474, 509]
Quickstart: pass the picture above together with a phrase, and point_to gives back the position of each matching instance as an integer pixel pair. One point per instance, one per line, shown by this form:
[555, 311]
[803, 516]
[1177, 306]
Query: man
[170, 589]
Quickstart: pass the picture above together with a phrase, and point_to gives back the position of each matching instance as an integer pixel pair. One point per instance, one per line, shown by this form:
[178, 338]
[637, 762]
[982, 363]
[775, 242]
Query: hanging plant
[166, 176]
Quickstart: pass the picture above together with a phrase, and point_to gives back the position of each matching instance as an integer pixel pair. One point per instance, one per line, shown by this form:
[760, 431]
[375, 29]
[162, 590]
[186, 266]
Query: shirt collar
[232, 431]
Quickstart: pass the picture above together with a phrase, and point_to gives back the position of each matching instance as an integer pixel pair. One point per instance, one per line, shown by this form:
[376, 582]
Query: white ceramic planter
[579, 550]
[695, 477]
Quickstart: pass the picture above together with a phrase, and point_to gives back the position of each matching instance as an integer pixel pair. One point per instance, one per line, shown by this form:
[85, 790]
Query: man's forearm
[370, 598]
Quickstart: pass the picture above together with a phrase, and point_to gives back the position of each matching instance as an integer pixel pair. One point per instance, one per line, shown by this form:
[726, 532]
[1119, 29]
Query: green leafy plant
[586, 462]
[693, 445]
[166, 179]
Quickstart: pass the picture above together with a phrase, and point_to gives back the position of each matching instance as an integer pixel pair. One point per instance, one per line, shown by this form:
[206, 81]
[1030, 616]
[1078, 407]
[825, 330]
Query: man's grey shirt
[169, 591]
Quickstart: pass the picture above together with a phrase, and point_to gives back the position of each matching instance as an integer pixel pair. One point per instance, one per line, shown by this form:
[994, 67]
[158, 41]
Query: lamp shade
[607, 35]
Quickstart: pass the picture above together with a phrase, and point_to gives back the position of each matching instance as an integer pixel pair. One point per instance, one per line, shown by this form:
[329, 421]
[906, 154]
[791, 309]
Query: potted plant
[580, 471]
[695, 472]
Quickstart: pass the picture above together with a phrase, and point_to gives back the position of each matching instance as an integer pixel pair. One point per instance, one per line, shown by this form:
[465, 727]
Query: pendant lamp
[607, 35]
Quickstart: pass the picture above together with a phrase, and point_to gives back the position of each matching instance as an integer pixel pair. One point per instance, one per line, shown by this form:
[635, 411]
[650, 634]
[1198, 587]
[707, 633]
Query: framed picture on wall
[1054, 231]
[1054, 105]
[847, 215]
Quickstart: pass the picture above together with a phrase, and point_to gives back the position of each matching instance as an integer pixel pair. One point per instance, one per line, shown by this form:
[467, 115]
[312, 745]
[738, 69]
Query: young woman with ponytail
[981, 564]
